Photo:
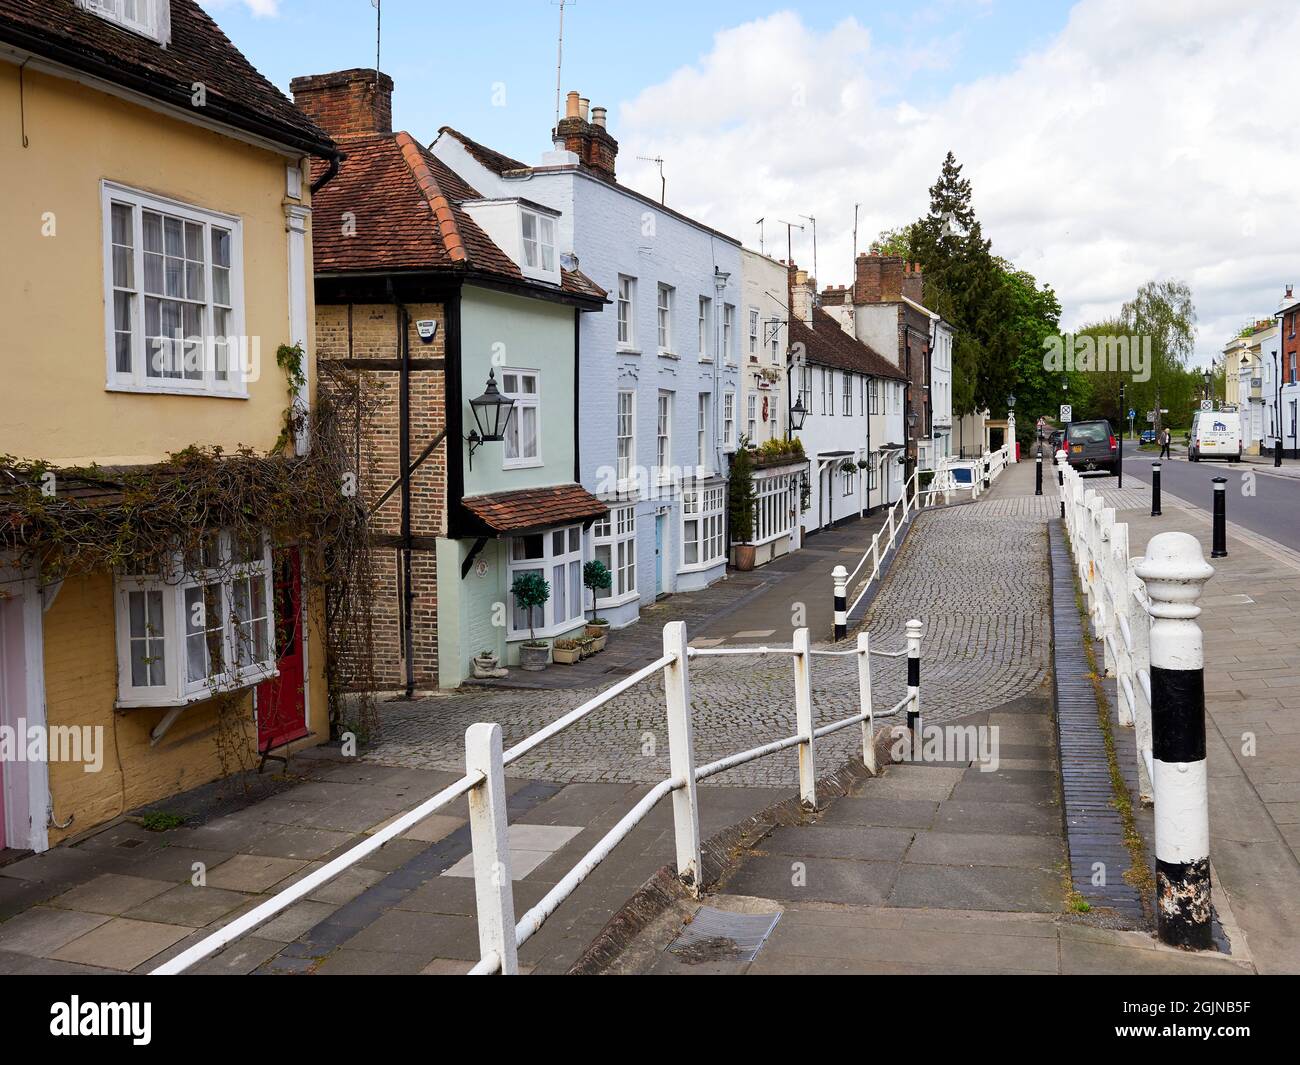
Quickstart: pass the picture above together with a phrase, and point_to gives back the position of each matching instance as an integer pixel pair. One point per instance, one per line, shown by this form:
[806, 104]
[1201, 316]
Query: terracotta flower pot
[744, 556]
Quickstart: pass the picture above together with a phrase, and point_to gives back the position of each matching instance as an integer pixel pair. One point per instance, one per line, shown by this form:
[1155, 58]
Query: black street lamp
[1277, 409]
[492, 412]
[1208, 378]
[797, 415]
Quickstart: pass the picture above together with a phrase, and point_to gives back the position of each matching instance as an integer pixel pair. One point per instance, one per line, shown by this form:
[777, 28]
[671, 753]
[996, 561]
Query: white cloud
[1143, 141]
[257, 8]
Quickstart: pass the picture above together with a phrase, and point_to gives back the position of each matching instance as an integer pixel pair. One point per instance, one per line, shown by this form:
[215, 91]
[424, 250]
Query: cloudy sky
[1109, 141]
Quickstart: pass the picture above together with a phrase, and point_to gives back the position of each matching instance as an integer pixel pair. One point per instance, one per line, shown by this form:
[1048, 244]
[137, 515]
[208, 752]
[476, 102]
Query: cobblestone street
[979, 650]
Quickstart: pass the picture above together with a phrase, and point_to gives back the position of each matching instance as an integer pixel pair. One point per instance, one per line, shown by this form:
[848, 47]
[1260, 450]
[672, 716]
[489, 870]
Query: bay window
[173, 296]
[774, 501]
[614, 537]
[556, 557]
[202, 625]
[702, 539]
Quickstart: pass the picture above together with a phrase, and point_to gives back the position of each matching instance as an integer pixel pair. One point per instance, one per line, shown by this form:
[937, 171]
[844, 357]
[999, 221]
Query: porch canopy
[526, 510]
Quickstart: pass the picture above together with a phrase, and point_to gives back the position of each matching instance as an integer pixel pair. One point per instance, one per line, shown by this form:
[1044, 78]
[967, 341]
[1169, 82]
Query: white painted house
[659, 402]
[852, 434]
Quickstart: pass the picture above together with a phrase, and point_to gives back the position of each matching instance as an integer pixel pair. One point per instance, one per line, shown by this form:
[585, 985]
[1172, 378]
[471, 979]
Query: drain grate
[723, 935]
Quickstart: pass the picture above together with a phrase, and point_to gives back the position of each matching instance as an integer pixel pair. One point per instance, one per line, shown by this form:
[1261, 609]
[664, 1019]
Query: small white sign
[1067, 412]
[427, 328]
[1207, 404]
[480, 567]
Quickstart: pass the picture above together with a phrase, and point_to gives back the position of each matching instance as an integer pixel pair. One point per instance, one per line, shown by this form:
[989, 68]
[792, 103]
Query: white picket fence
[500, 934]
[1117, 603]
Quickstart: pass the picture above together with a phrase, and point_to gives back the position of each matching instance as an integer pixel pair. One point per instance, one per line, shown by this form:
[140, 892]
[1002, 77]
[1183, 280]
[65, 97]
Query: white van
[1216, 434]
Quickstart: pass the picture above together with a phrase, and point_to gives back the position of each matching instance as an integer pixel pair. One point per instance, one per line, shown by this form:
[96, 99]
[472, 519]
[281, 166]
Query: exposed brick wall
[877, 278]
[369, 331]
[590, 143]
[346, 102]
[913, 287]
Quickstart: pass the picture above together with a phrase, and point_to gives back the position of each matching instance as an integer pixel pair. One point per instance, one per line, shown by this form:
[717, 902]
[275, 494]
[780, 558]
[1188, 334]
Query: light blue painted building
[659, 379]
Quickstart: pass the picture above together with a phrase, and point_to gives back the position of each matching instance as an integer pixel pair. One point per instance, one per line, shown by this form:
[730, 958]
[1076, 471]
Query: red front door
[281, 703]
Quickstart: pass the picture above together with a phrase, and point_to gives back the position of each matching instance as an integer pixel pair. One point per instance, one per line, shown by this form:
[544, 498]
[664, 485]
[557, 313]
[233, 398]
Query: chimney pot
[571, 105]
[598, 116]
[583, 104]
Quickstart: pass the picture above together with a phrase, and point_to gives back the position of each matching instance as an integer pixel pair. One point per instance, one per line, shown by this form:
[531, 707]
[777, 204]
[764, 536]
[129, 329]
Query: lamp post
[492, 412]
[1208, 378]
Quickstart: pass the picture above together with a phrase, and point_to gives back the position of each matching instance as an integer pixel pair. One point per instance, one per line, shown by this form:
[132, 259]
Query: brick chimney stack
[802, 294]
[913, 287]
[588, 139]
[346, 103]
[878, 279]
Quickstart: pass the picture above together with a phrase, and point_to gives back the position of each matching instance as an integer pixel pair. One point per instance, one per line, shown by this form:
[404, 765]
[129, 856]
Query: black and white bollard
[1174, 572]
[1038, 475]
[1155, 489]
[1220, 549]
[1061, 459]
[841, 576]
[986, 461]
[914, 630]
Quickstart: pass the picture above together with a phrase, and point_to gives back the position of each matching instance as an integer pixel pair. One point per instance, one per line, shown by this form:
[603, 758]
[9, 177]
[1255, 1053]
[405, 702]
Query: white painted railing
[500, 934]
[1116, 600]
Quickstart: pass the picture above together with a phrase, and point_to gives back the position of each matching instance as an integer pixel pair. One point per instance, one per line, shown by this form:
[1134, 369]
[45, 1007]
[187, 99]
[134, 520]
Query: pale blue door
[659, 554]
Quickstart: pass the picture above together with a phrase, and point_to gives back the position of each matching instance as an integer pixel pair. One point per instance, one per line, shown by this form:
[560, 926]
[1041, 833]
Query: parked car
[1058, 440]
[1148, 436]
[1092, 446]
[1215, 434]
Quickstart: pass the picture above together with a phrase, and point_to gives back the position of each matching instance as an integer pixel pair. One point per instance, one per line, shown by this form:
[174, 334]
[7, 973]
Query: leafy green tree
[894, 242]
[1164, 311]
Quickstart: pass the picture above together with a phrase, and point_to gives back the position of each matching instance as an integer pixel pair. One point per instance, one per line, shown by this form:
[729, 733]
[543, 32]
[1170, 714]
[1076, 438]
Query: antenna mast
[663, 183]
[559, 56]
[811, 219]
[762, 247]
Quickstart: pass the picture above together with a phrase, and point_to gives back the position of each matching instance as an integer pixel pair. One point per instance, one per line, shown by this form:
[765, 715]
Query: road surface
[1273, 510]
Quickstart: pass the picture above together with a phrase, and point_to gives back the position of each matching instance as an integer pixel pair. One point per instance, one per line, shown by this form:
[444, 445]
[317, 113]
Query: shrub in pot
[532, 590]
[740, 504]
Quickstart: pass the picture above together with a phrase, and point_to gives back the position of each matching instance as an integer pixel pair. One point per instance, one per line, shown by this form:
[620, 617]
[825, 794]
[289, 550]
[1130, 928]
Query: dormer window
[149, 18]
[539, 243]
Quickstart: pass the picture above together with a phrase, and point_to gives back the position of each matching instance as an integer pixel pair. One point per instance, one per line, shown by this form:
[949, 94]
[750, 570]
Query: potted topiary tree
[596, 575]
[740, 504]
[532, 590]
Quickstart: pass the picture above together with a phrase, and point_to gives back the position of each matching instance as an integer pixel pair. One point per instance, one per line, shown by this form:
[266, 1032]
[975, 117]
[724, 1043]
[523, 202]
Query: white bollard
[489, 837]
[804, 718]
[681, 755]
[1141, 630]
[864, 703]
[1175, 572]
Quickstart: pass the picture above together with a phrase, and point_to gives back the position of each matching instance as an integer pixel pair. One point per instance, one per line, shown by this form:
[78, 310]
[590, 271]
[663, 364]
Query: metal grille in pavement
[1094, 830]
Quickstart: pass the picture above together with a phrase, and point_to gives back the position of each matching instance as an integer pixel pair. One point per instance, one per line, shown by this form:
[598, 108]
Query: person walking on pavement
[1166, 438]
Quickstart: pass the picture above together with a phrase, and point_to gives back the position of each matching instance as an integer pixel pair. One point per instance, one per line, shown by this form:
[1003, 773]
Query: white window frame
[729, 419]
[702, 525]
[728, 329]
[523, 401]
[828, 392]
[706, 329]
[663, 435]
[626, 312]
[751, 417]
[539, 258]
[625, 435]
[137, 379]
[753, 333]
[847, 395]
[664, 317]
[774, 505]
[171, 587]
[156, 23]
[806, 387]
[617, 532]
[546, 564]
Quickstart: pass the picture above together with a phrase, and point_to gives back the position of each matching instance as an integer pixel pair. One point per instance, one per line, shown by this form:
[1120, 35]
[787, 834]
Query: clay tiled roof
[826, 344]
[236, 94]
[535, 508]
[395, 206]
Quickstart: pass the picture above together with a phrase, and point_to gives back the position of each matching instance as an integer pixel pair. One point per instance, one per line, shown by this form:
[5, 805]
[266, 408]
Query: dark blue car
[1148, 436]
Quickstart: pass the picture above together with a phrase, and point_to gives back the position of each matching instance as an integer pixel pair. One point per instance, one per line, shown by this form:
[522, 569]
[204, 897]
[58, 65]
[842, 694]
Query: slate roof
[827, 344]
[403, 206]
[503, 165]
[535, 508]
[236, 94]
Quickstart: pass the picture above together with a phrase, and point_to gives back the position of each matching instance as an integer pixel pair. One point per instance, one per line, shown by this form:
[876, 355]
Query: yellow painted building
[157, 253]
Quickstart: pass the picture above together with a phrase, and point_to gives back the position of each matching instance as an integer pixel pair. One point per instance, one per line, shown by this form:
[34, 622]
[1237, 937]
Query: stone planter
[534, 657]
[744, 556]
[564, 654]
[598, 643]
[588, 645]
[598, 629]
[487, 666]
